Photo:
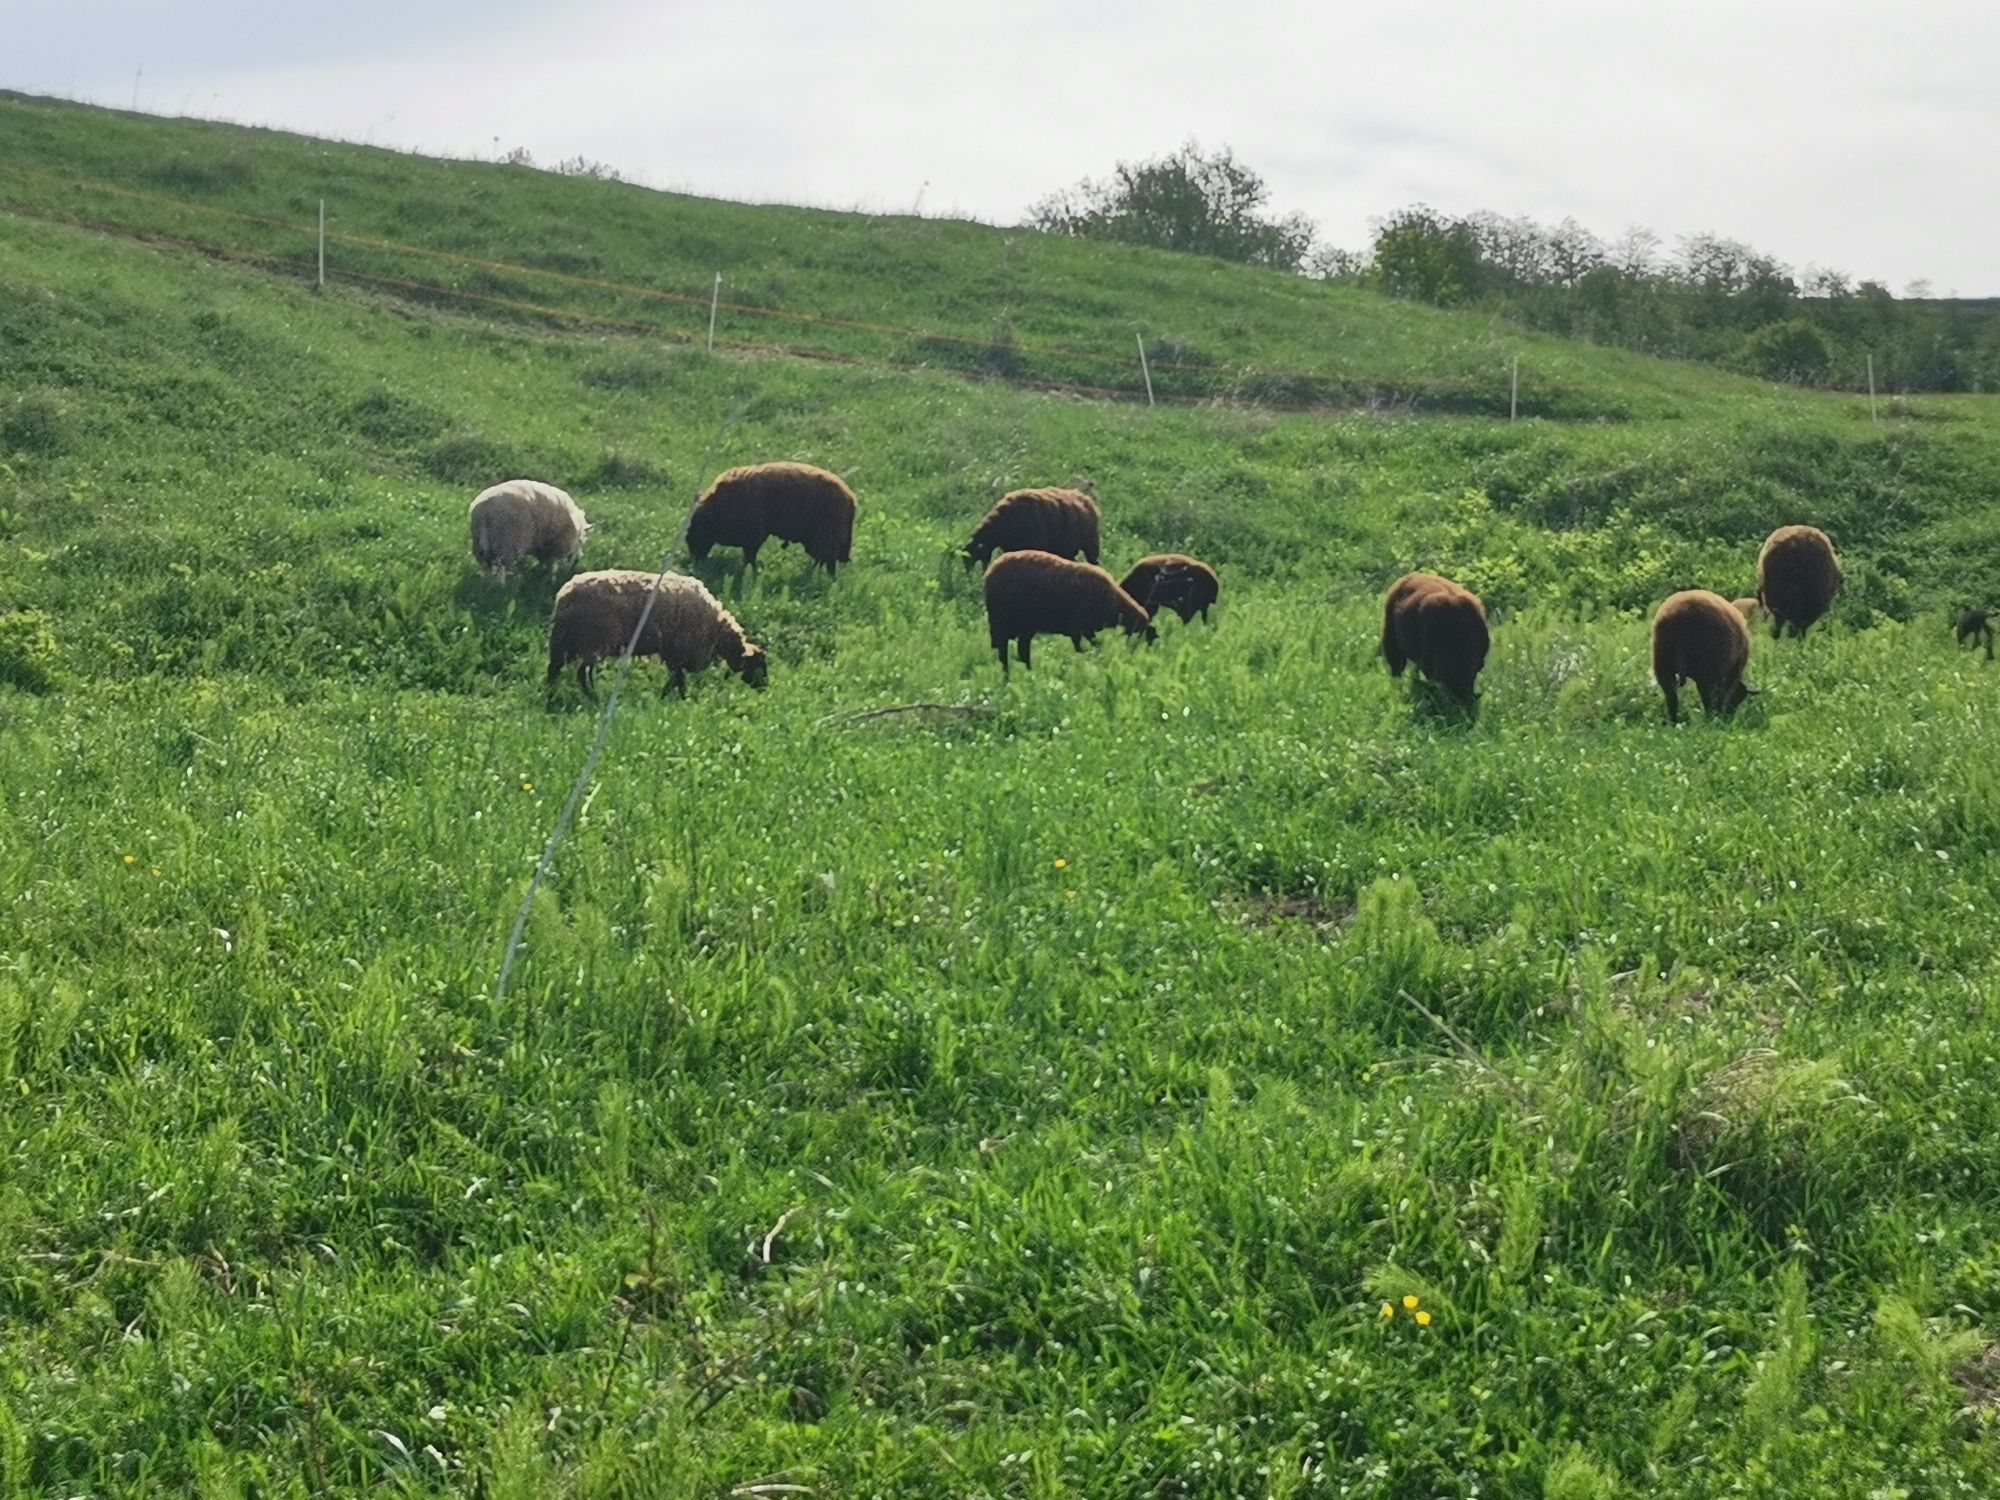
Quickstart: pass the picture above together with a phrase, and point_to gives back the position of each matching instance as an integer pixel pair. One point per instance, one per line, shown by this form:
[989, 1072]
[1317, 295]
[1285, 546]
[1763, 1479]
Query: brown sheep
[1974, 624]
[1173, 581]
[1750, 609]
[1063, 522]
[1798, 573]
[1440, 626]
[1700, 637]
[686, 627]
[1037, 593]
[793, 502]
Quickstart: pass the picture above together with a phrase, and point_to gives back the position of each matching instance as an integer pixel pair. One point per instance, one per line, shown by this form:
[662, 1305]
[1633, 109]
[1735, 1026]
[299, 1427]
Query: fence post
[1143, 370]
[1514, 391]
[714, 301]
[320, 285]
[1871, 392]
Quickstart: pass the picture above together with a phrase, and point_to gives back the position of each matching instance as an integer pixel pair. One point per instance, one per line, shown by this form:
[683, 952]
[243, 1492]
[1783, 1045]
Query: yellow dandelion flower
[1423, 1320]
[1388, 1309]
[156, 872]
[131, 859]
[1410, 1301]
[1069, 895]
[1062, 864]
[527, 786]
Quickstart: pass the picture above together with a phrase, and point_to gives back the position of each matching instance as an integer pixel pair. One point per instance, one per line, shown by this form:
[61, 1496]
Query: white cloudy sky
[1834, 132]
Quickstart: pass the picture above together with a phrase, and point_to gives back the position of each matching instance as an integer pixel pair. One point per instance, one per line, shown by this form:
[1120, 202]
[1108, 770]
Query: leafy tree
[1204, 203]
[1421, 255]
[1795, 349]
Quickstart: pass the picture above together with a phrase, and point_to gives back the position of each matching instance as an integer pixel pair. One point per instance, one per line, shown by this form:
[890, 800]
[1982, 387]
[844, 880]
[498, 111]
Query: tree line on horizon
[1707, 297]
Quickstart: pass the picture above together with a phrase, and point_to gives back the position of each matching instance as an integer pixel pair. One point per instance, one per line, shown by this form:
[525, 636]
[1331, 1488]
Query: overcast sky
[1855, 135]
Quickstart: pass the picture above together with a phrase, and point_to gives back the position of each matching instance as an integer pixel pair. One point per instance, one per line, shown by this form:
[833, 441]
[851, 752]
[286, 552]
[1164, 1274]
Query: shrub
[27, 650]
[35, 423]
[1794, 350]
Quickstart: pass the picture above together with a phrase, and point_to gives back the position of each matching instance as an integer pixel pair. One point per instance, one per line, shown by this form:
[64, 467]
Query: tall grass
[1038, 1102]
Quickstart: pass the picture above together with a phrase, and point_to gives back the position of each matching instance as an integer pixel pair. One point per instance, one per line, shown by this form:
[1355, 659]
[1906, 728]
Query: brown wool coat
[688, 628]
[745, 507]
[1441, 627]
[1172, 580]
[1037, 593]
[1798, 574]
[1700, 637]
[1063, 522]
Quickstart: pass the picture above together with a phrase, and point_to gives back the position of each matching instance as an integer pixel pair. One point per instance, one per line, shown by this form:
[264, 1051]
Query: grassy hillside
[1044, 1099]
[1003, 303]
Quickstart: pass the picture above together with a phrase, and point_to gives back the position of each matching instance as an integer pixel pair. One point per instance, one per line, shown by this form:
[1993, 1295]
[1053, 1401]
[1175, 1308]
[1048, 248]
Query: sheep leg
[677, 683]
[1989, 642]
[1005, 666]
[1022, 647]
[1392, 652]
[1670, 685]
[1077, 641]
[1204, 614]
[586, 678]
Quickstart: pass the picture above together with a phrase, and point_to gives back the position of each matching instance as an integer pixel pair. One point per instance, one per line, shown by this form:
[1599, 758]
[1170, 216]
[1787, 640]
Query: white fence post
[1514, 391]
[1143, 370]
[714, 301]
[320, 285]
[1871, 392]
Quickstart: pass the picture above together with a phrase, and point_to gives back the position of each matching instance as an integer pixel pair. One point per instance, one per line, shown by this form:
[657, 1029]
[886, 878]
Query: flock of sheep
[1698, 636]
[1038, 586]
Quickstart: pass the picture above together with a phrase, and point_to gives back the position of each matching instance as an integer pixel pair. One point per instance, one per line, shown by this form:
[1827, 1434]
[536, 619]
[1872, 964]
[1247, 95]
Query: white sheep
[524, 517]
[686, 629]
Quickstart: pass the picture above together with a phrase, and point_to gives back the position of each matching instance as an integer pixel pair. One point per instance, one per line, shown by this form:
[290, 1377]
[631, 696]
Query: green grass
[1002, 303]
[1040, 1102]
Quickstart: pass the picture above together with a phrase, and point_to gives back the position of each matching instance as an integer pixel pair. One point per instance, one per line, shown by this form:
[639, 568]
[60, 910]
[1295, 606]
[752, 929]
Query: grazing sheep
[1798, 574]
[1062, 522]
[1172, 581]
[1440, 626]
[1700, 637]
[1973, 624]
[1034, 593]
[522, 518]
[596, 614]
[1750, 609]
[792, 502]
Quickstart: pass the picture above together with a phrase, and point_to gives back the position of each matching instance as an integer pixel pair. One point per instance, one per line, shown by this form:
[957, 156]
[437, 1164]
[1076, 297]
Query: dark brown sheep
[1798, 573]
[1062, 522]
[686, 628]
[1172, 581]
[1975, 625]
[792, 502]
[1701, 638]
[1440, 626]
[1037, 593]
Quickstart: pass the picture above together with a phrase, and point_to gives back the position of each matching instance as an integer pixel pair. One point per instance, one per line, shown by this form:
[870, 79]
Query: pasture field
[1056, 1094]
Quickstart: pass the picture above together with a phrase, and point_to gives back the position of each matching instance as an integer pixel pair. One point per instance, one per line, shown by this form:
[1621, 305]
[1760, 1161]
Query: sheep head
[753, 666]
